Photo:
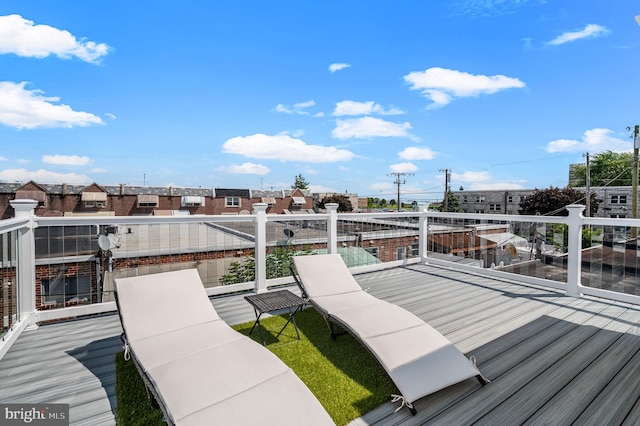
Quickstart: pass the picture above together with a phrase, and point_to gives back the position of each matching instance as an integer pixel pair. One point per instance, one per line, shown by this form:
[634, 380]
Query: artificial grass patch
[347, 380]
[133, 407]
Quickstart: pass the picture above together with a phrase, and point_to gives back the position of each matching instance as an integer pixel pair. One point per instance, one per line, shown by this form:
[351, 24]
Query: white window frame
[232, 201]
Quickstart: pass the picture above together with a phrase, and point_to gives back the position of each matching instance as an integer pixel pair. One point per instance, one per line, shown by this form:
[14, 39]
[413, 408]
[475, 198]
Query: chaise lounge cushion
[200, 370]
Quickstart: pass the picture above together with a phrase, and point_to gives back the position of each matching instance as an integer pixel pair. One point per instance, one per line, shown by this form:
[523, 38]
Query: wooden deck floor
[552, 359]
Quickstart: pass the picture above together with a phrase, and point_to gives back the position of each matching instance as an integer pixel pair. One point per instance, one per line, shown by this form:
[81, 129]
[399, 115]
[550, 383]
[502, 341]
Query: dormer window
[232, 201]
[94, 199]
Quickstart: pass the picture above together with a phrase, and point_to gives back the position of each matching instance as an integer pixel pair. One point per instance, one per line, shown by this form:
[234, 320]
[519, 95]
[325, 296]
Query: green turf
[342, 374]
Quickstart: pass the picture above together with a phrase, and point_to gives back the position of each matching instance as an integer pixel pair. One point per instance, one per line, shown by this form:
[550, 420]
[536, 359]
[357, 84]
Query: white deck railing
[56, 268]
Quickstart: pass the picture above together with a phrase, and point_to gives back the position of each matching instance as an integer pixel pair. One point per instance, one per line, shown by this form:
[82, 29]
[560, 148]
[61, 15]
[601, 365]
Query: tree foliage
[606, 169]
[453, 204]
[552, 201]
[277, 261]
[300, 182]
[343, 202]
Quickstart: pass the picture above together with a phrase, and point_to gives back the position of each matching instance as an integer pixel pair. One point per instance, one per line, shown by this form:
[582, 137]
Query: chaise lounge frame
[199, 370]
[418, 359]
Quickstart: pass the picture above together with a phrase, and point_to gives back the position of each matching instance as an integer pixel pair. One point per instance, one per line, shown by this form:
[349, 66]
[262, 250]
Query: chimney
[64, 189]
[121, 189]
[171, 191]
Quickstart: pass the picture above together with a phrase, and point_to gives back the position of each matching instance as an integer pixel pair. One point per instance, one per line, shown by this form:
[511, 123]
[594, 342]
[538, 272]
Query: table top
[274, 300]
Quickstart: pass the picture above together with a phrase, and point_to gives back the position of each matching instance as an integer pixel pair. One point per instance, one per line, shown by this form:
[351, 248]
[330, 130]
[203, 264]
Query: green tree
[453, 204]
[343, 202]
[300, 182]
[552, 201]
[278, 262]
[606, 169]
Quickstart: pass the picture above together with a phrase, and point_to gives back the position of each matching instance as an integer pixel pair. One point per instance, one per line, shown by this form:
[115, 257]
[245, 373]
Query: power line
[400, 180]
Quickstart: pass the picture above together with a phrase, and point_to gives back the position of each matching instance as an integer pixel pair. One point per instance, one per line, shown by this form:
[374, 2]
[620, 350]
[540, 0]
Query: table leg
[292, 318]
[257, 322]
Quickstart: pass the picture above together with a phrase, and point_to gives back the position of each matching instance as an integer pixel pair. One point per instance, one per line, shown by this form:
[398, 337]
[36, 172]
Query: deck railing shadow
[98, 357]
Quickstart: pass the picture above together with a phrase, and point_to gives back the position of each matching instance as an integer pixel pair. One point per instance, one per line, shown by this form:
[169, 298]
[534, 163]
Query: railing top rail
[503, 217]
[13, 224]
[140, 220]
[609, 221]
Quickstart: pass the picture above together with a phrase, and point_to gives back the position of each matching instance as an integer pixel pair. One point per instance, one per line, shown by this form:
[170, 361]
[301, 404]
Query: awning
[192, 200]
[148, 200]
[299, 201]
[268, 200]
[94, 196]
[31, 195]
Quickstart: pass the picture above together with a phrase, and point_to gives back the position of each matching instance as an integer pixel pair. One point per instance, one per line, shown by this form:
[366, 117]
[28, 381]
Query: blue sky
[503, 93]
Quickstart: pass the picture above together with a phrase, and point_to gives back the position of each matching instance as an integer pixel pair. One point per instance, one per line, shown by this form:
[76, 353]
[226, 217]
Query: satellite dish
[288, 232]
[107, 242]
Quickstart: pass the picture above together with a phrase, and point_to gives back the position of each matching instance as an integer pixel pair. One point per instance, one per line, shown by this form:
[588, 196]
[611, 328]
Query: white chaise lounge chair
[200, 370]
[417, 357]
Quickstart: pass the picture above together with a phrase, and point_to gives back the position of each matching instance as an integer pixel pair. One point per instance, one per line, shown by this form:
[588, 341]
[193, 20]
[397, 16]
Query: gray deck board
[552, 359]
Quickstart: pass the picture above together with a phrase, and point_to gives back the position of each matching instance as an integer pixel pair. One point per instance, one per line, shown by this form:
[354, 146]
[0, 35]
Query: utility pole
[588, 186]
[400, 180]
[445, 205]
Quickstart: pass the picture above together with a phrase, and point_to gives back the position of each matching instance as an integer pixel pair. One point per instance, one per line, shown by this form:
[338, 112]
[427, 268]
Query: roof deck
[551, 358]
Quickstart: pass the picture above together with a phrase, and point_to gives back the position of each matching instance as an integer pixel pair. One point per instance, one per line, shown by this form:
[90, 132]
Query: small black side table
[275, 301]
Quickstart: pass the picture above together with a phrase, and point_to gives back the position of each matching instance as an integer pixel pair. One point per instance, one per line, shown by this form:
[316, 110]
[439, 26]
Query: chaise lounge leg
[483, 380]
[413, 410]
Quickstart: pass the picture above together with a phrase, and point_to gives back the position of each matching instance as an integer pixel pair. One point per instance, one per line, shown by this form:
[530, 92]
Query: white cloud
[284, 148]
[69, 160]
[3, 158]
[21, 37]
[590, 31]
[383, 186]
[363, 108]
[337, 67]
[442, 85]
[320, 189]
[471, 176]
[403, 168]
[246, 169]
[299, 108]
[111, 116]
[23, 175]
[28, 109]
[369, 127]
[415, 153]
[594, 140]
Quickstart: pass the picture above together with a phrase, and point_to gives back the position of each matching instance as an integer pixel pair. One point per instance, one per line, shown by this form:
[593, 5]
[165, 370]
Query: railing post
[574, 260]
[26, 272]
[332, 228]
[260, 210]
[422, 244]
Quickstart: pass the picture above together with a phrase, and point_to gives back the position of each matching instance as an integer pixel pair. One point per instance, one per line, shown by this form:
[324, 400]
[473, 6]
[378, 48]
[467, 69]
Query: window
[464, 199]
[232, 201]
[148, 200]
[401, 253]
[375, 251]
[192, 201]
[415, 249]
[94, 199]
[618, 199]
[495, 207]
[61, 289]
[617, 216]
[480, 199]
[479, 211]
[509, 198]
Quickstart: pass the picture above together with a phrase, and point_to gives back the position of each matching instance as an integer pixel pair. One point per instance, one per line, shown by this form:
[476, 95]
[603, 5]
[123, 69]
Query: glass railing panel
[9, 311]
[288, 238]
[610, 258]
[373, 240]
[535, 249]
